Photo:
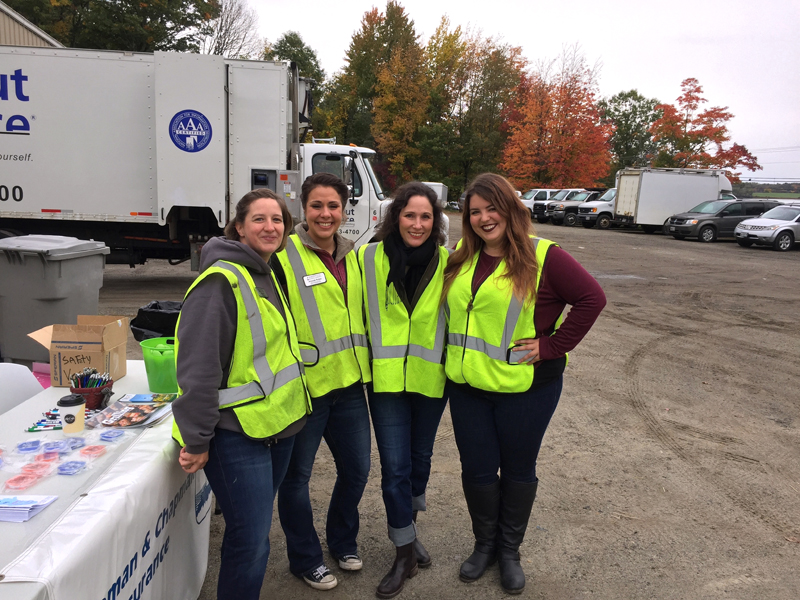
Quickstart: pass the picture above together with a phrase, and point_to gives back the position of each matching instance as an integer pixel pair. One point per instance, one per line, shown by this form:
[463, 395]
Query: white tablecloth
[135, 525]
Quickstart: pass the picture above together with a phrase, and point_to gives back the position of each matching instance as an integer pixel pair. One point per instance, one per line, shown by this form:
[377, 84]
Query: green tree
[631, 115]
[290, 46]
[131, 25]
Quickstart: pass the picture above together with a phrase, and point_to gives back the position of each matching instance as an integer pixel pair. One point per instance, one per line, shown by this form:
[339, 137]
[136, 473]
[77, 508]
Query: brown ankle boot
[404, 567]
[423, 558]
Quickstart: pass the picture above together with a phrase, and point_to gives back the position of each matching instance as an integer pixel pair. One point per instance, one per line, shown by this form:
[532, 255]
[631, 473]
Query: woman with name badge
[505, 291]
[242, 384]
[406, 325]
[319, 272]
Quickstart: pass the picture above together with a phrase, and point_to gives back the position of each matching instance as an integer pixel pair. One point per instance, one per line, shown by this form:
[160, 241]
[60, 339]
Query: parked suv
[717, 218]
[566, 211]
[778, 227]
[598, 212]
[540, 207]
[540, 195]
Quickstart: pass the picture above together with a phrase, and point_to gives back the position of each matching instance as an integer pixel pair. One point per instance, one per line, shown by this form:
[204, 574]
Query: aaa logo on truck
[190, 131]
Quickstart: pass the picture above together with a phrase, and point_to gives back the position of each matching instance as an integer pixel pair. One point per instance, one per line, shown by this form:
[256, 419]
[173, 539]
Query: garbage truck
[149, 153]
[649, 197]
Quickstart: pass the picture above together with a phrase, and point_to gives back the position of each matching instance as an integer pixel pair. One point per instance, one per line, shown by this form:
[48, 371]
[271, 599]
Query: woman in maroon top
[503, 396]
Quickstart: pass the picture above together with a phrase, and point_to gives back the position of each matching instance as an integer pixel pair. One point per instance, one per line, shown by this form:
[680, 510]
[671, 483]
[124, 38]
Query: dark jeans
[405, 429]
[342, 418]
[244, 475]
[500, 432]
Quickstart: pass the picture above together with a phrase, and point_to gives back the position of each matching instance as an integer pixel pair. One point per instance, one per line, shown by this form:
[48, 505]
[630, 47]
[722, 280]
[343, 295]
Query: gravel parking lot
[672, 465]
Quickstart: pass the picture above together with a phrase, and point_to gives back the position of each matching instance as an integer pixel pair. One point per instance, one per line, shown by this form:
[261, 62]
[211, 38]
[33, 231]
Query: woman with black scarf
[403, 276]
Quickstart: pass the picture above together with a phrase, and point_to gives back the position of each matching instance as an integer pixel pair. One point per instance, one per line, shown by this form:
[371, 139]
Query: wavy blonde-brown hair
[519, 253]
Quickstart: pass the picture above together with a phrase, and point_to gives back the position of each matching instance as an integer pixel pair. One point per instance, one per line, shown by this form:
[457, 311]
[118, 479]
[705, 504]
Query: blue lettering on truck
[190, 131]
[14, 124]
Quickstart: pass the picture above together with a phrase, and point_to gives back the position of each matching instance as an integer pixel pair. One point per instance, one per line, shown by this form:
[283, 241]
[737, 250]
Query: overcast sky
[746, 54]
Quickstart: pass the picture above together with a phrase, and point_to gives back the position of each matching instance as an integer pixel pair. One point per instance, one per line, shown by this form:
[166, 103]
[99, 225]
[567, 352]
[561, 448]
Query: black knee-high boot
[483, 502]
[516, 502]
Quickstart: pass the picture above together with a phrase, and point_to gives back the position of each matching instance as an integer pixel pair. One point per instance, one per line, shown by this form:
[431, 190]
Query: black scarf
[401, 256]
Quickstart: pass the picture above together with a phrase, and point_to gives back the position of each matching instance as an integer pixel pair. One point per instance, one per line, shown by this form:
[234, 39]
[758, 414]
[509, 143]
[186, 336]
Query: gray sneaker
[320, 578]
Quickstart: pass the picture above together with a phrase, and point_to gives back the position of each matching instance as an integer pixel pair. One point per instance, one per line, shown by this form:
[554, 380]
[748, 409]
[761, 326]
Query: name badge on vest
[314, 279]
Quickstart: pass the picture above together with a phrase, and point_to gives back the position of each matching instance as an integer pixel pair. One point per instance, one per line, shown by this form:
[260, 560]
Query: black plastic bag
[156, 319]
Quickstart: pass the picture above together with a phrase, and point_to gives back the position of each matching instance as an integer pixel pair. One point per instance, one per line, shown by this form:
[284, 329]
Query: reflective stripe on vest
[326, 347]
[474, 360]
[269, 381]
[433, 355]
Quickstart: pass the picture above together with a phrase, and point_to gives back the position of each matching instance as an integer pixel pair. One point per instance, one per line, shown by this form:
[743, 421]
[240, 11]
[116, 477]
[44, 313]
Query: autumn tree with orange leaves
[557, 138]
[689, 138]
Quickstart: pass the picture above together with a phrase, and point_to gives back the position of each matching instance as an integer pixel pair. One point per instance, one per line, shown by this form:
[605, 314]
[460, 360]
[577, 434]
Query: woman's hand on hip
[191, 463]
[532, 345]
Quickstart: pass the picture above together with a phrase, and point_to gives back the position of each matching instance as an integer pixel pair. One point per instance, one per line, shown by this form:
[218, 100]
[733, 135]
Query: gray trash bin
[45, 279]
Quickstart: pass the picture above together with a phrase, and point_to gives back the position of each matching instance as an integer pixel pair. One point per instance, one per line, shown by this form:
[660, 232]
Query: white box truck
[149, 153]
[648, 197]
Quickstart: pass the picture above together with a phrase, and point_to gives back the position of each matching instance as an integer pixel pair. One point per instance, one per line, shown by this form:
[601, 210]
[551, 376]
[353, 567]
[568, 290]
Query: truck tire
[707, 234]
[570, 219]
[784, 241]
[604, 222]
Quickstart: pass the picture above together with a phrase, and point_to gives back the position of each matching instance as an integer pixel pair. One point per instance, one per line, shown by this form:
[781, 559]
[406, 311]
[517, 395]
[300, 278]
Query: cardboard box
[96, 341]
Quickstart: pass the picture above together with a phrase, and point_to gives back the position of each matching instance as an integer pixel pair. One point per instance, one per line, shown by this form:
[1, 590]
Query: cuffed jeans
[405, 429]
[342, 418]
[245, 475]
[500, 431]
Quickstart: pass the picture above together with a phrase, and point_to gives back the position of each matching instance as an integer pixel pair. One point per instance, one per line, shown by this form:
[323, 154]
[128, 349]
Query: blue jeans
[500, 432]
[342, 418]
[244, 475]
[405, 429]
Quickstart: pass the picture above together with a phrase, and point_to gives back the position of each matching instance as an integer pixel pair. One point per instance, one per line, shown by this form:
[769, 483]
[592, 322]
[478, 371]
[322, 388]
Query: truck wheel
[707, 234]
[784, 241]
[542, 219]
[570, 219]
[588, 224]
[744, 243]
[604, 222]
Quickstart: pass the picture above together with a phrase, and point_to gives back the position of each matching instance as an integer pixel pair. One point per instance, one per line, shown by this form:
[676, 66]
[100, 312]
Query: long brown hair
[519, 253]
[243, 207]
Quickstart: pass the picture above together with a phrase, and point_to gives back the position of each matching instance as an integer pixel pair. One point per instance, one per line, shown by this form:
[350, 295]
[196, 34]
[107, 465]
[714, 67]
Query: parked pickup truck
[598, 212]
[541, 196]
[540, 206]
[566, 211]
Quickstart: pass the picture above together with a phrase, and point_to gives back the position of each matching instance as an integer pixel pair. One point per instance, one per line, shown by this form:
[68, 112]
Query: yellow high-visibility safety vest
[266, 385]
[482, 328]
[323, 317]
[407, 350]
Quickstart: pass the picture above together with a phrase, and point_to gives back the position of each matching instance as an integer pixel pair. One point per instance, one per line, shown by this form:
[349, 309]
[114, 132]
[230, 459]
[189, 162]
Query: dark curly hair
[404, 193]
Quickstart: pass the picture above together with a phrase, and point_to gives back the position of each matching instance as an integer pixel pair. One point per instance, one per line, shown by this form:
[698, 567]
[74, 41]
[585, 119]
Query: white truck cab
[598, 212]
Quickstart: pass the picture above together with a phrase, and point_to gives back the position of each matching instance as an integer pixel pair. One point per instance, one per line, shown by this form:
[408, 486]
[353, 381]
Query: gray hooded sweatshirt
[207, 331]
